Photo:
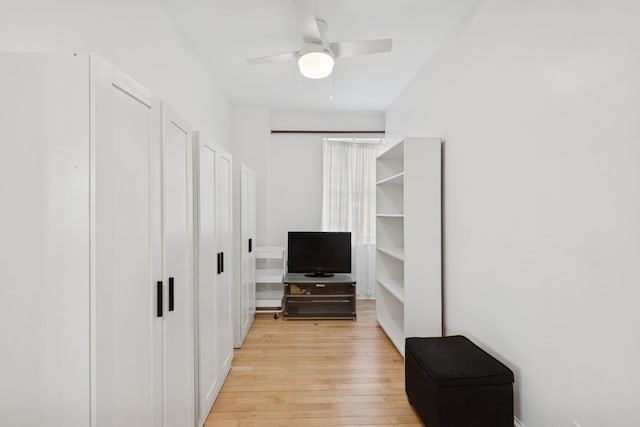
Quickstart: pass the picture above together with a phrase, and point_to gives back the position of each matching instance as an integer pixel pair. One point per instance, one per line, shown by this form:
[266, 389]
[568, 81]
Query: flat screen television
[319, 253]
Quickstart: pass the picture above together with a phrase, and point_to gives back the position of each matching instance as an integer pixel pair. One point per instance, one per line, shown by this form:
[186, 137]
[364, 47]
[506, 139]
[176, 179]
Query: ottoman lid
[455, 360]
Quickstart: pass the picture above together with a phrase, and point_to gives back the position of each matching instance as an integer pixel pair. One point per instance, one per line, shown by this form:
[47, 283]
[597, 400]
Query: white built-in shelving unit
[408, 224]
[270, 264]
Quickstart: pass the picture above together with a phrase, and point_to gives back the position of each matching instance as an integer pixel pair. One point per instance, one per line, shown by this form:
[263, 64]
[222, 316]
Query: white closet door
[44, 240]
[208, 299]
[247, 266]
[178, 320]
[123, 293]
[241, 294]
[225, 231]
[252, 254]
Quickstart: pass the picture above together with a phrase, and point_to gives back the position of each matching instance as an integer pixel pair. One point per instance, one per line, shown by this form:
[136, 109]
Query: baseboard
[518, 423]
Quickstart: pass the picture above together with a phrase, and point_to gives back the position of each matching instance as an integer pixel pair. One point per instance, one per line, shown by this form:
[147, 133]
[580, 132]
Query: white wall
[538, 103]
[250, 130]
[296, 185]
[136, 36]
[295, 179]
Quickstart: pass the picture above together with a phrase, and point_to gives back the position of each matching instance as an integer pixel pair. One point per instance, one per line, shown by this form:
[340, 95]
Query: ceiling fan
[317, 56]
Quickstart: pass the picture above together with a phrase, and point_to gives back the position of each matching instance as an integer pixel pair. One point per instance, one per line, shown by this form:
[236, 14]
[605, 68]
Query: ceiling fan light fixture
[316, 64]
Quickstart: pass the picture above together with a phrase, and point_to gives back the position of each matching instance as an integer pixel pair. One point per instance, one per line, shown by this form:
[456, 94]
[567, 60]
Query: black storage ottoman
[452, 382]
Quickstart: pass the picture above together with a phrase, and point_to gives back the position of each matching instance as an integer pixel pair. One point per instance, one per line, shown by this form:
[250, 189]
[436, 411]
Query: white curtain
[349, 204]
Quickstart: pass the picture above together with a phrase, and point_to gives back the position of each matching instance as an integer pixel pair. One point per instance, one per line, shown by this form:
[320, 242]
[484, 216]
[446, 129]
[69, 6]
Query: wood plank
[315, 373]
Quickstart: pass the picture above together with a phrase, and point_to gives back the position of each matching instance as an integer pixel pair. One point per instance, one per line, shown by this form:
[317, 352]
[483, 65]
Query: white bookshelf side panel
[423, 243]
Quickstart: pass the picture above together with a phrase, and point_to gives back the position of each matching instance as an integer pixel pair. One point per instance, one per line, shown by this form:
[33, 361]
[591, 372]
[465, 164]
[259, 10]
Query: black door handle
[221, 262]
[250, 245]
[159, 299]
[218, 261]
[171, 294]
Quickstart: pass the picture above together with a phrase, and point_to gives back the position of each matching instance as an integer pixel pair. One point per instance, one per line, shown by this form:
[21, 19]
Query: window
[349, 203]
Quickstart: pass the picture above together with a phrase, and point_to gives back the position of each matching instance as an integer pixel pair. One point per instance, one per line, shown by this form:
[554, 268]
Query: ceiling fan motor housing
[317, 47]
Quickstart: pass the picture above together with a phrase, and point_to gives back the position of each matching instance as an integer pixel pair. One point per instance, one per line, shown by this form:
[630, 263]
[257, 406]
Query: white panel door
[44, 240]
[179, 402]
[240, 291]
[123, 354]
[246, 294]
[207, 297]
[252, 255]
[225, 233]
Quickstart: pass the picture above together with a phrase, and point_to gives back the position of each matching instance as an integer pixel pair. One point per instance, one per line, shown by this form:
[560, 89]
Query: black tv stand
[319, 274]
[319, 298]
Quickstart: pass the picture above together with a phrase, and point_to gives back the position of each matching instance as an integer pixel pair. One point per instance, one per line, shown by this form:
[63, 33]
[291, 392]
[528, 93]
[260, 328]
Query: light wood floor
[315, 373]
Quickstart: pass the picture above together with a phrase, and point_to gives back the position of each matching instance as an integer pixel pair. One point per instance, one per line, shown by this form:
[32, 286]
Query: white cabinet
[213, 215]
[408, 240]
[270, 267]
[79, 320]
[245, 303]
[95, 184]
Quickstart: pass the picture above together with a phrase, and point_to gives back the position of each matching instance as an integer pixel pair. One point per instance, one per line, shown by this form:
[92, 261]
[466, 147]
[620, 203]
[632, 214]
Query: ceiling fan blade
[278, 57]
[360, 47]
[306, 21]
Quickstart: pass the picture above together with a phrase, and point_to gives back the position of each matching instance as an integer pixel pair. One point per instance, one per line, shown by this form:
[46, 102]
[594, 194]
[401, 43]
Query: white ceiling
[224, 33]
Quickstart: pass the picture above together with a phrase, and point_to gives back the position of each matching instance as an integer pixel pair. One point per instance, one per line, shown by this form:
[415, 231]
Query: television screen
[319, 253]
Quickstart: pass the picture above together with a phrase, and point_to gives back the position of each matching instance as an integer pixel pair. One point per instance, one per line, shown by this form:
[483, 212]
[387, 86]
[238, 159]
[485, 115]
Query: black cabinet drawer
[318, 306]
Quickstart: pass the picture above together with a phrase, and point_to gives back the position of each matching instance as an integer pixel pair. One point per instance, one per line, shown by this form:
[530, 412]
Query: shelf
[270, 275]
[397, 253]
[397, 179]
[394, 286]
[269, 299]
[269, 294]
[270, 267]
[409, 222]
[390, 165]
[269, 303]
[270, 252]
